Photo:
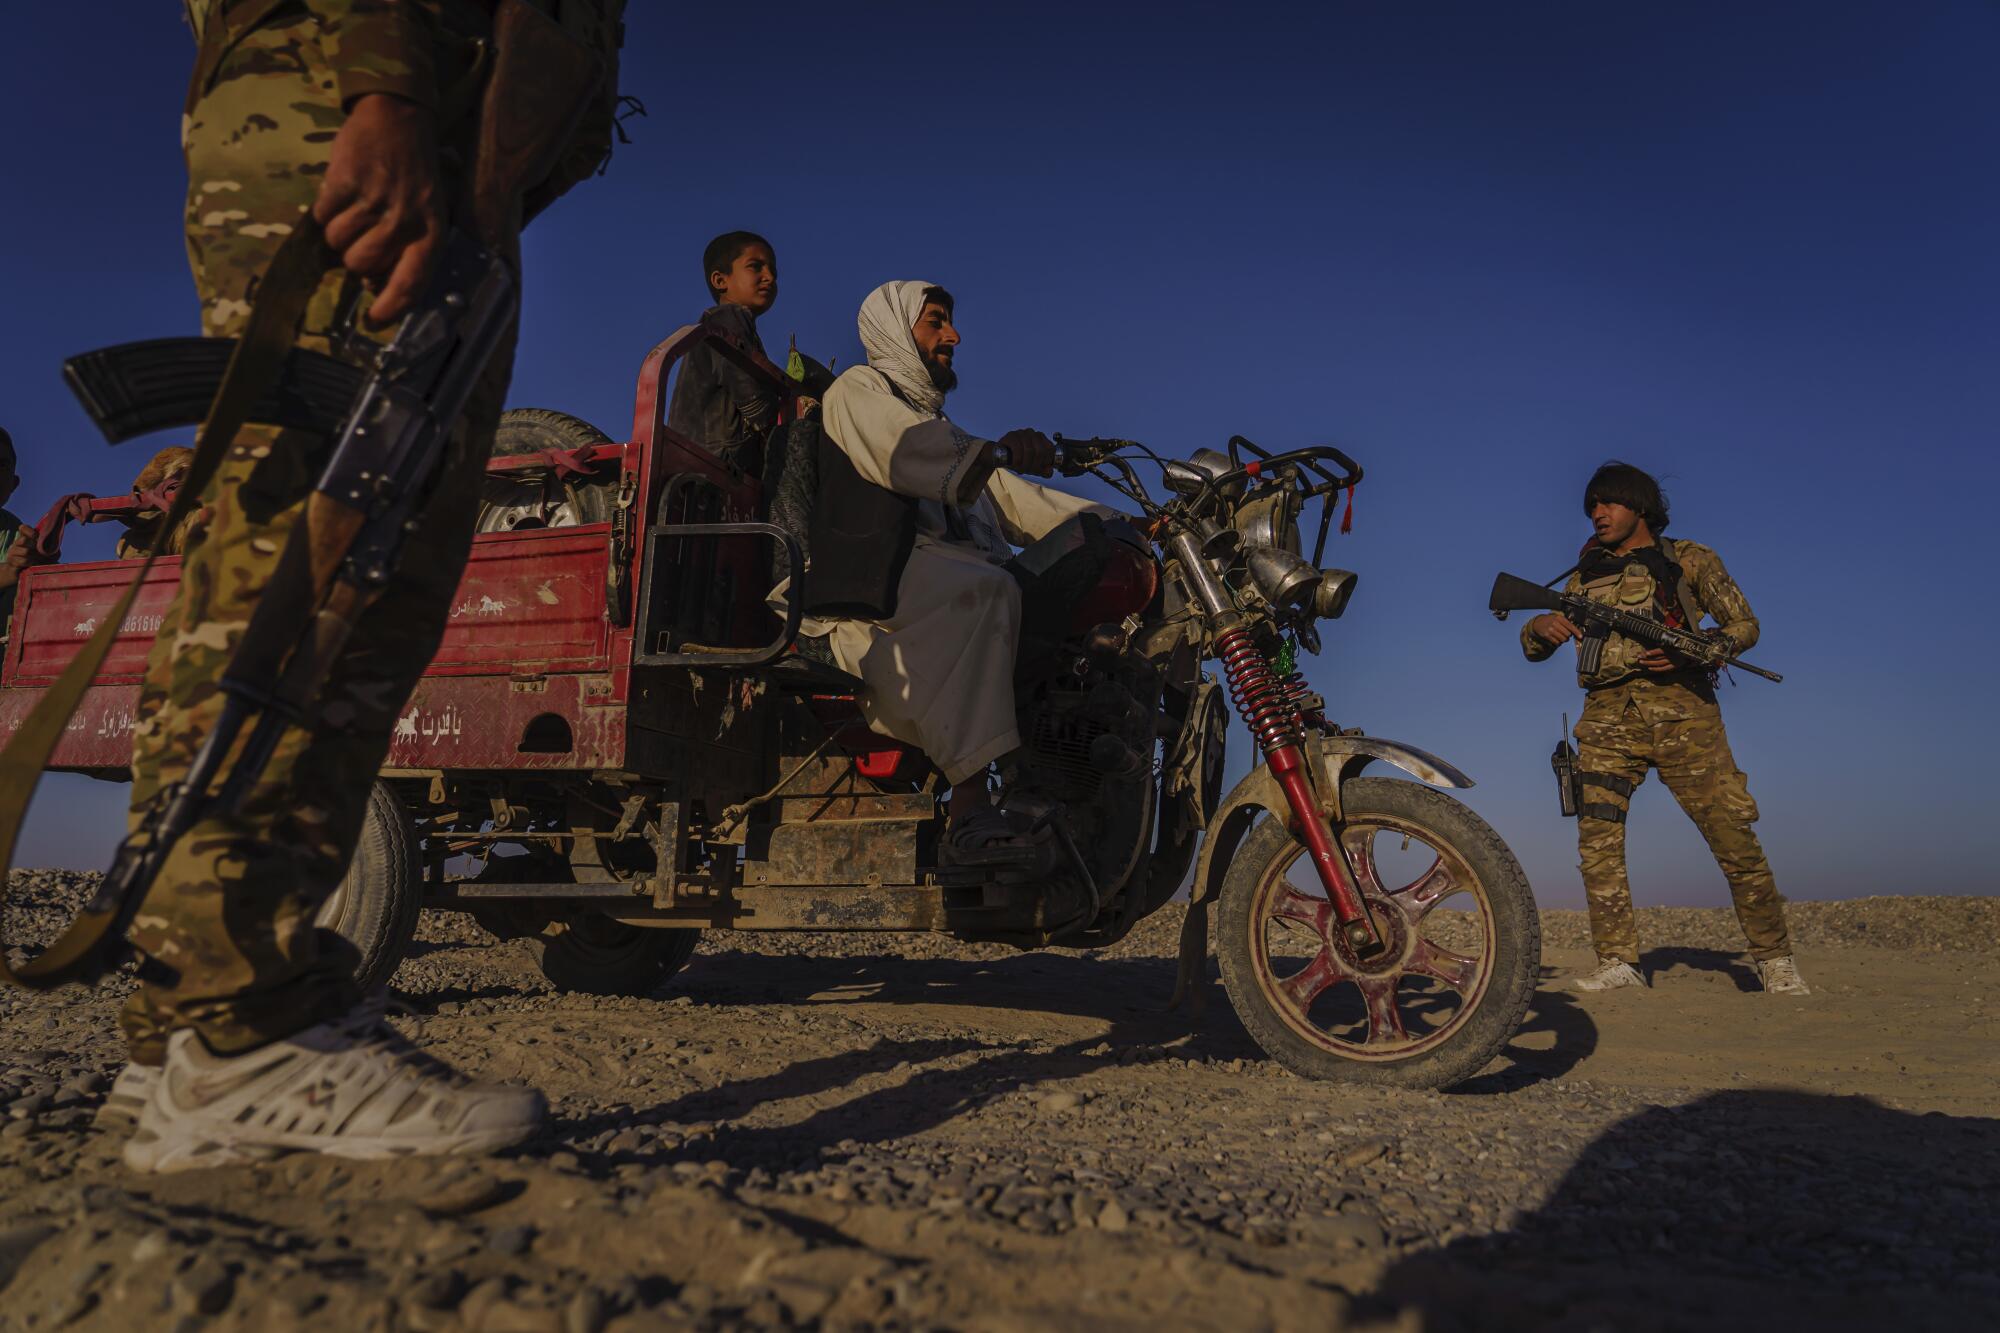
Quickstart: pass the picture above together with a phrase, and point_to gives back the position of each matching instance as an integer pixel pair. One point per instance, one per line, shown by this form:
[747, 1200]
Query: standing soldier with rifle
[1650, 706]
[388, 131]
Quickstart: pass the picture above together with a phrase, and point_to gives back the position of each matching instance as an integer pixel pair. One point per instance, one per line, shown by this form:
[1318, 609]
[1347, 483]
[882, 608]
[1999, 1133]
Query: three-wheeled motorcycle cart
[620, 744]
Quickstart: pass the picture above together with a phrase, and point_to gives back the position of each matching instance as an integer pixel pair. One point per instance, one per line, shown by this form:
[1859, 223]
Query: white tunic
[940, 671]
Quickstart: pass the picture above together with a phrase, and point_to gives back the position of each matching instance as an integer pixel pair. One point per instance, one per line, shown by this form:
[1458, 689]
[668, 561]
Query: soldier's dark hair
[939, 296]
[722, 253]
[1622, 484]
[8, 458]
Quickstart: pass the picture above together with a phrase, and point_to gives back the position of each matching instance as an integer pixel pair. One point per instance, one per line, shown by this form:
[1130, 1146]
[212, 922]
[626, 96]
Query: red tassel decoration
[1347, 516]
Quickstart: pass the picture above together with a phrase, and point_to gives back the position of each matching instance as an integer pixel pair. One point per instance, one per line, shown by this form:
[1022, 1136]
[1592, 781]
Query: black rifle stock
[1512, 593]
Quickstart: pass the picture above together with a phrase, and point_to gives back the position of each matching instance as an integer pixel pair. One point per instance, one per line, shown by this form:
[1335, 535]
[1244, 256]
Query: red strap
[573, 462]
[45, 538]
[1347, 516]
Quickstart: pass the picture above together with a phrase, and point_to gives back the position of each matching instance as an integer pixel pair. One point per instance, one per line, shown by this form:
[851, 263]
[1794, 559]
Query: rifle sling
[268, 334]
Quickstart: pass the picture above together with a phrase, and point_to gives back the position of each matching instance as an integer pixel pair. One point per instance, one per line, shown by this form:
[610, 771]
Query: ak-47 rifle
[1517, 594]
[385, 458]
[390, 420]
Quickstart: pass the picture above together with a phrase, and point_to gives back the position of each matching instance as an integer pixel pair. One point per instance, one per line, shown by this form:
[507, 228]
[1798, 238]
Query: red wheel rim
[1408, 1000]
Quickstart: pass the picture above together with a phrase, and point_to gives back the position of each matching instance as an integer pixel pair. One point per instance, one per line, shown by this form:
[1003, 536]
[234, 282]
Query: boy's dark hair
[1622, 484]
[939, 296]
[723, 252]
[9, 460]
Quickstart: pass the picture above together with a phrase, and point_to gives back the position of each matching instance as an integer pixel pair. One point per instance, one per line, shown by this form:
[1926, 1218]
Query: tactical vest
[1648, 581]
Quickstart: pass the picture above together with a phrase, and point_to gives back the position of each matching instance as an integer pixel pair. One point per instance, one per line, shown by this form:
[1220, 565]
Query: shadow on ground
[1125, 998]
[1755, 1209]
[1732, 966]
[1526, 1059]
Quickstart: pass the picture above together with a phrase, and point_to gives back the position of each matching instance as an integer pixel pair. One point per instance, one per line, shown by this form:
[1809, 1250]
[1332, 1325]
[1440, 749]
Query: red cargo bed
[536, 664]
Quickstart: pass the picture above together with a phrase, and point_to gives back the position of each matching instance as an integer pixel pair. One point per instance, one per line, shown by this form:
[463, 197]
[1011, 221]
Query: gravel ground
[857, 1131]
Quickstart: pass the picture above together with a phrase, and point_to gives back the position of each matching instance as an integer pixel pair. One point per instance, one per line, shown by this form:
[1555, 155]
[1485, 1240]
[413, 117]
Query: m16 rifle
[1511, 593]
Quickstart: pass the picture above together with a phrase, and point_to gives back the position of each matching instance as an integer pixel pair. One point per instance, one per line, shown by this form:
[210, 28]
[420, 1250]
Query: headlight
[1283, 577]
[1211, 465]
[1335, 587]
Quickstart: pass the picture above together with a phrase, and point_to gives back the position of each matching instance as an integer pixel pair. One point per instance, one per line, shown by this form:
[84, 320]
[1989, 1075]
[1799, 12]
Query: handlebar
[1265, 458]
[1076, 457]
[1309, 457]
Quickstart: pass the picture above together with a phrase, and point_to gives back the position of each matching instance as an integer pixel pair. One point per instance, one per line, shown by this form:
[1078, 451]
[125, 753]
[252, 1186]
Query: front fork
[1264, 702]
[1334, 874]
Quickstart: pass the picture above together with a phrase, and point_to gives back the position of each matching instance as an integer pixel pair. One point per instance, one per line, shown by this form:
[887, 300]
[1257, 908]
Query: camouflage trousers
[232, 913]
[1623, 732]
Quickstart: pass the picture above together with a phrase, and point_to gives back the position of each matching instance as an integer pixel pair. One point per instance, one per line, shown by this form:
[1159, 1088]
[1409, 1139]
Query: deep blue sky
[1483, 246]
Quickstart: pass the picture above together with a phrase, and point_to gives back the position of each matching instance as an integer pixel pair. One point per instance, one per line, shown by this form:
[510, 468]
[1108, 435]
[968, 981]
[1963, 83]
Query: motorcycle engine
[1079, 737]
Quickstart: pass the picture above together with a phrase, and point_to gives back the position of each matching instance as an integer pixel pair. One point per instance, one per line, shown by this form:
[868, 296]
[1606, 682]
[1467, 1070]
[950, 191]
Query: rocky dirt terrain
[855, 1131]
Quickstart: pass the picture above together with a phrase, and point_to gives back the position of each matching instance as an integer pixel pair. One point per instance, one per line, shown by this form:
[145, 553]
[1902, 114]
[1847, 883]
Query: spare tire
[509, 505]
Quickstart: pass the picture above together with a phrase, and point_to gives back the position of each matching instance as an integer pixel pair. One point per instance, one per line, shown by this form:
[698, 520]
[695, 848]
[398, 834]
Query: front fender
[1347, 755]
[1339, 758]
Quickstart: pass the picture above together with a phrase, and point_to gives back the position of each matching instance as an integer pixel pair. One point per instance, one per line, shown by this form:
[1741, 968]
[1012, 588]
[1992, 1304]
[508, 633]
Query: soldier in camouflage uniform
[163, 469]
[349, 109]
[17, 546]
[1646, 708]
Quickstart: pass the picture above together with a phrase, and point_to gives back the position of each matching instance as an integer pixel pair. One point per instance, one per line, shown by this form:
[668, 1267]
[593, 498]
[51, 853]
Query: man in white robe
[939, 669]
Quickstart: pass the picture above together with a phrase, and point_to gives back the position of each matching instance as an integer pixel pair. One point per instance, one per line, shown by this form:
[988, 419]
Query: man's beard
[942, 375]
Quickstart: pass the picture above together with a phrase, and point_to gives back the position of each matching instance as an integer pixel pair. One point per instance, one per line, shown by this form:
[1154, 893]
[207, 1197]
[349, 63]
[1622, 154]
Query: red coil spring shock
[1261, 697]
[1269, 706]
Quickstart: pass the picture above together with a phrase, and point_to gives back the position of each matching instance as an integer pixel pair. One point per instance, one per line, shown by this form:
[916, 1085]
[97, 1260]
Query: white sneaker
[1781, 977]
[1611, 974]
[354, 1087]
[130, 1091]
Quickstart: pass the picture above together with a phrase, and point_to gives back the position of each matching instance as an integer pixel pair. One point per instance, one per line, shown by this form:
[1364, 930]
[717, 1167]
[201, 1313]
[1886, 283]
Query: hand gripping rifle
[385, 460]
[1517, 594]
[390, 421]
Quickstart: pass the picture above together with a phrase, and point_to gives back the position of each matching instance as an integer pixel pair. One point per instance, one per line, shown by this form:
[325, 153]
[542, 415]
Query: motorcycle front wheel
[1463, 943]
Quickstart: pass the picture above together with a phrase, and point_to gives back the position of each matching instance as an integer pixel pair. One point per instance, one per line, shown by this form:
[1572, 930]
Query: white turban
[887, 317]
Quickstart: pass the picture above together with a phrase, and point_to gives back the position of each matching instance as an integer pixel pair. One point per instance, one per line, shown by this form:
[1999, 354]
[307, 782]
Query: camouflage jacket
[419, 50]
[10, 532]
[138, 538]
[1712, 592]
[374, 46]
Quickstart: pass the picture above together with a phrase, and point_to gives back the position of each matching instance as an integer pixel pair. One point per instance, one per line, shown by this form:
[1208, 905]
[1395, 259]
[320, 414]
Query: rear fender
[1339, 758]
